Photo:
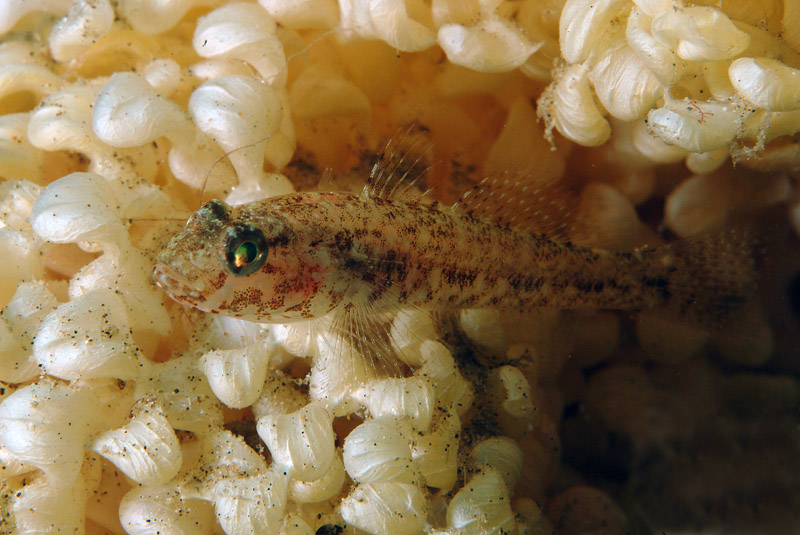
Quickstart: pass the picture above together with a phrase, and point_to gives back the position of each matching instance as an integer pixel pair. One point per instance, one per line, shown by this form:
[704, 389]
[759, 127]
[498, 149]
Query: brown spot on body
[220, 280]
[343, 241]
[244, 298]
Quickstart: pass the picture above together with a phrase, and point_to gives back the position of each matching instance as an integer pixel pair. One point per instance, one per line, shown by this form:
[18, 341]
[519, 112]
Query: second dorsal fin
[402, 165]
[517, 200]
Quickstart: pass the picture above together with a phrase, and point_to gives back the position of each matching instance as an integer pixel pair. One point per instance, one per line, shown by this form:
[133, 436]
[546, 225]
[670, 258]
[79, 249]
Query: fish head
[252, 262]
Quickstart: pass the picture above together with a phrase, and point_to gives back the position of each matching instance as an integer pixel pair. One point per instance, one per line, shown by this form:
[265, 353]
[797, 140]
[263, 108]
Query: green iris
[244, 254]
[245, 250]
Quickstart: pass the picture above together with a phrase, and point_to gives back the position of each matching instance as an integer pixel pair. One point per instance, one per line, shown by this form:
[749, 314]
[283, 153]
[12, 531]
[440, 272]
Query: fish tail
[708, 278]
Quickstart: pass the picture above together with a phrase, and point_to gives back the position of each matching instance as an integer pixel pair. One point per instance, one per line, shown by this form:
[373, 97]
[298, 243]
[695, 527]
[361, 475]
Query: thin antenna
[132, 220]
[269, 80]
[218, 160]
[303, 50]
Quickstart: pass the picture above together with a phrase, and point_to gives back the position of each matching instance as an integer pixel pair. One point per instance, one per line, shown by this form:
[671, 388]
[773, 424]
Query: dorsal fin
[403, 163]
[326, 180]
[516, 200]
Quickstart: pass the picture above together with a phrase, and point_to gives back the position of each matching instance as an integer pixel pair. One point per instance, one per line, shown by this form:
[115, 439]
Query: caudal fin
[712, 277]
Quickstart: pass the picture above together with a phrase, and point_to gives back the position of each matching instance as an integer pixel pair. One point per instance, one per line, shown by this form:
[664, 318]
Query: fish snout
[176, 285]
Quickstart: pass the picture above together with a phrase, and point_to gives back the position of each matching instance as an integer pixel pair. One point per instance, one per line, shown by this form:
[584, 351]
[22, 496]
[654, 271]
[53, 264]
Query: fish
[504, 245]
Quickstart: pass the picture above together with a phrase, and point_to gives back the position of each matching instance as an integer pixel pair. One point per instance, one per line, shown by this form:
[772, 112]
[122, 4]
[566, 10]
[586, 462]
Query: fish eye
[246, 250]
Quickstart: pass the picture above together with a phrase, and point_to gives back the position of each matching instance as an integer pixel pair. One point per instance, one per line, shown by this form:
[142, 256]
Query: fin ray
[713, 276]
[365, 331]
[404, 162]
[516, 200]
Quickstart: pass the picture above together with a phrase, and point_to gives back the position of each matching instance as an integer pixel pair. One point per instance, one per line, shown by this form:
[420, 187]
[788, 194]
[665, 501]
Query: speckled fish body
[326, 250]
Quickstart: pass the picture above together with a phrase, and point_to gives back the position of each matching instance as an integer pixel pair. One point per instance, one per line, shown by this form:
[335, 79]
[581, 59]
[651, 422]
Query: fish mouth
[176, 285]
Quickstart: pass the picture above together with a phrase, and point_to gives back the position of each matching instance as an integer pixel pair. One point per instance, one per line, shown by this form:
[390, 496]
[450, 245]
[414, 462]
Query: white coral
[129, 112]
[493, 45]
[237, 375]
[242, 115]
[482, 506]
[412, 397]
[388, 20]
[86, 22]
[767, 83]
[145, 449]
[88, 338]
[699, 33]
[246, 32]
[385, 508]
[302, 442]
[380, 450]
[47, 424]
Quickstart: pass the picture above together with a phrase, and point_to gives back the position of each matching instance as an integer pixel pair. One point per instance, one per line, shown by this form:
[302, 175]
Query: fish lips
[176, 285]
